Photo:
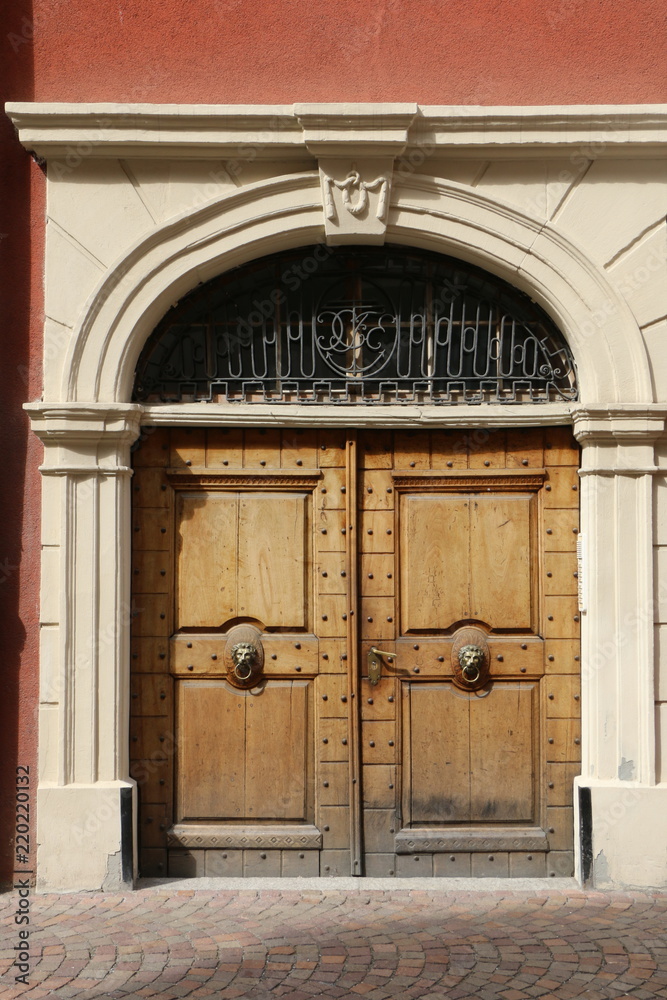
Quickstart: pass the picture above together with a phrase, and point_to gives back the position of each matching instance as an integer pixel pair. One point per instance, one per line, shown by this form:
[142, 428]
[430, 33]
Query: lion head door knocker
[244, 656]
[470, 659]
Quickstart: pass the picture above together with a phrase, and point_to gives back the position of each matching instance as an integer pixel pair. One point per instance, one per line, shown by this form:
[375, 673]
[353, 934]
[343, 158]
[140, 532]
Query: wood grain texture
[273, 559]
[242, 755]
[434, 562]
[207, 556]
[318, 560]
[501, 564]
[502, 764]
[436, 754]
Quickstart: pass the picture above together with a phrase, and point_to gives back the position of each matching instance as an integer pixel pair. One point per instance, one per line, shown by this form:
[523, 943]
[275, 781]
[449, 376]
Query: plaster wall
[97, 210]
[462, 52]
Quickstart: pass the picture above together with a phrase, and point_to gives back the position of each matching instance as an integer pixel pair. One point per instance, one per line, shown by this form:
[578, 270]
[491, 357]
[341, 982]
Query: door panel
[234, 761]
[207, 554]
[465, 557]
[501, 577]
[470, 757]
[273, 558]
[434, 560]
[332, 543]
[242, 555]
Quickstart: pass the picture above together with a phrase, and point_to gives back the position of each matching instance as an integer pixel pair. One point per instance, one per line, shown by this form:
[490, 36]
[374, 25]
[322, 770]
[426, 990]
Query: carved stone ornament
[244, 656]
[355, 198]
[470, 659]
[355, 195]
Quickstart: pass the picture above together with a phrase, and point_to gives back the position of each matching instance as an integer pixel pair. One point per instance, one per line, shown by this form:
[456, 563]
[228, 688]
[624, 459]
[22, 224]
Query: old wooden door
[322, 546]
[463, 534]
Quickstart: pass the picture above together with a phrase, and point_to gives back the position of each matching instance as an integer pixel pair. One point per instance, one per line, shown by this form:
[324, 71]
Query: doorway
[355, 652]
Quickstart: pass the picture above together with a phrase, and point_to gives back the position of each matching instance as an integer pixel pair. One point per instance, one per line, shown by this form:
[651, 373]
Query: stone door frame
[88, 424]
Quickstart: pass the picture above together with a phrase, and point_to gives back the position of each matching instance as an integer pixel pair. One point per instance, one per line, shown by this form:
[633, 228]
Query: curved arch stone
[274, 215]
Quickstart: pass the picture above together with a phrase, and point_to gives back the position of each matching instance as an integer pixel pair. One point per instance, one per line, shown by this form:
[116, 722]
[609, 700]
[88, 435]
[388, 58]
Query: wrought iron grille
[356, 325]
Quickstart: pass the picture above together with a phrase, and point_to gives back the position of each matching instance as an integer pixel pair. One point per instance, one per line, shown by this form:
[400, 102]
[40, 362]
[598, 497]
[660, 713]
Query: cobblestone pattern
[371, 944]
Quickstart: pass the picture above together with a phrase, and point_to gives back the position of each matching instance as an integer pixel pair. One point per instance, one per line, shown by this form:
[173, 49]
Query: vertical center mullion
[352, 598]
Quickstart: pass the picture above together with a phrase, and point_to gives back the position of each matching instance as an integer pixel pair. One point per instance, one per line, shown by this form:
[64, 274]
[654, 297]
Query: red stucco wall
[21, 322]
[245, 51]
[430, 51]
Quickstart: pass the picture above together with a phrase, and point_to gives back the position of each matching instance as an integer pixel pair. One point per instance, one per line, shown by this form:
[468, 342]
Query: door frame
[87, 426]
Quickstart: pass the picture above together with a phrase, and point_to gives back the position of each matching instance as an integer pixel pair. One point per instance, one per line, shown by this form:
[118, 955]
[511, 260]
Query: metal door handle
[375, 664]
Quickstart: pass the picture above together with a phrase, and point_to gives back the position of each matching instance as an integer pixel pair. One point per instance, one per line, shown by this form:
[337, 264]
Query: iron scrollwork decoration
[470, 659]
[345, 325]
[244, 656]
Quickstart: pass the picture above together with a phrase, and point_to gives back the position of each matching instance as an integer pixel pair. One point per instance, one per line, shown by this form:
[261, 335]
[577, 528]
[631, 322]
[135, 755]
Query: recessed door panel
[207, 556]
[242, 755]
[470, 757]
[434, 561]
[273, 560]
[244, 556]
[501, 578]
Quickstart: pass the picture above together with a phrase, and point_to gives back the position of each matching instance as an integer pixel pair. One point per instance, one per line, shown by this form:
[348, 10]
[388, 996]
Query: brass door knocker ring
[471, 659]
[244, 656]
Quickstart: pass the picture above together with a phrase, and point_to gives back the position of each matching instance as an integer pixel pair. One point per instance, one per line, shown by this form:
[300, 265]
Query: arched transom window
[351, 325]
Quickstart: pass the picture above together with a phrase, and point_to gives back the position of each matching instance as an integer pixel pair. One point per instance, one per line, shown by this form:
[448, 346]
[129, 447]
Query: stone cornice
[371, 129]
[196, 131]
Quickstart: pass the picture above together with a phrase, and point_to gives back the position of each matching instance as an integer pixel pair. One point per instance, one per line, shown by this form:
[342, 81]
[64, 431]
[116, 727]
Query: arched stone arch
[427, 212]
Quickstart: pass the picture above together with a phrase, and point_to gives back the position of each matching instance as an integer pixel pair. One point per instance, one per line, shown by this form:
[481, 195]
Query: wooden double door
[333, 554]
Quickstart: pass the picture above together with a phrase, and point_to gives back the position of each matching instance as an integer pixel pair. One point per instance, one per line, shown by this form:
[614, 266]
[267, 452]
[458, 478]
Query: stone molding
[195, 131]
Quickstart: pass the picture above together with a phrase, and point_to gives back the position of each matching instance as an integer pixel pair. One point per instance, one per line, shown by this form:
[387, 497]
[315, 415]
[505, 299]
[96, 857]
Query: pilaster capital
[626, 424]
[85, 439]
[618, 441]
[85, 422]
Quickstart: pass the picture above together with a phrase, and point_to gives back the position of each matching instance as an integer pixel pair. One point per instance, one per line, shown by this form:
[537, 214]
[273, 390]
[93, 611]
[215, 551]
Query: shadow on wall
[21, 202]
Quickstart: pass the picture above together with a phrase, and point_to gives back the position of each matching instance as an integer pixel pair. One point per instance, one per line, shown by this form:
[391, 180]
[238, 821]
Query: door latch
[375, 664]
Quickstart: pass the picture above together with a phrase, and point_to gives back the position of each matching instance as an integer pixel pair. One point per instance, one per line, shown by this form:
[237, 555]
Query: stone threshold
[349, 884]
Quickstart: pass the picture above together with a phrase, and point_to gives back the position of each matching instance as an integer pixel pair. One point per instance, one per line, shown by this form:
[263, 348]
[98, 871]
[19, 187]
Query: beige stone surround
[145, 202]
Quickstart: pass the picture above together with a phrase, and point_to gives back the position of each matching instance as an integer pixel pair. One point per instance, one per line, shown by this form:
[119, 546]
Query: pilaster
[84, 682]
[617, 661]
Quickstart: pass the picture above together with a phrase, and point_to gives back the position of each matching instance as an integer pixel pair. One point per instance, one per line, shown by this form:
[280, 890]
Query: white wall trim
[188, 130]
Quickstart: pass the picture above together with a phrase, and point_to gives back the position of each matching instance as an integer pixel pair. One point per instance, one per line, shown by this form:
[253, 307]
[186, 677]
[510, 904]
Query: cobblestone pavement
[171, 941]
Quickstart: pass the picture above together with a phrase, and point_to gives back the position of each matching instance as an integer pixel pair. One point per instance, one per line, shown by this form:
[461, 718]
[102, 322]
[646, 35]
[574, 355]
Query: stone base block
[85, 836]
[625, 837]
